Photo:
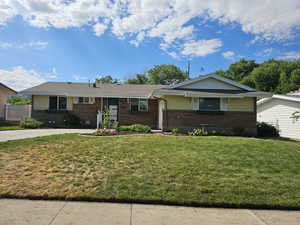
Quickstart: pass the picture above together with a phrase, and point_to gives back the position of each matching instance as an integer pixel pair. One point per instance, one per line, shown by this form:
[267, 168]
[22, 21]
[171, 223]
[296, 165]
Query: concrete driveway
[21, 134]
[27, 212]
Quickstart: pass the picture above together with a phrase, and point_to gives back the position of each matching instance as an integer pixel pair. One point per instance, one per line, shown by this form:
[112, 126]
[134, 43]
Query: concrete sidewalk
[21, 134]
[28, 212]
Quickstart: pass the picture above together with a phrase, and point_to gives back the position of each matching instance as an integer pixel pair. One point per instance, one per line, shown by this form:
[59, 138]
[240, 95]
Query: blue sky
[56, 40]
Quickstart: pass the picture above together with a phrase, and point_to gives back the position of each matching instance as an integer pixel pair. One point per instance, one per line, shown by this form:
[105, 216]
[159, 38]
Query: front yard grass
[216, 171]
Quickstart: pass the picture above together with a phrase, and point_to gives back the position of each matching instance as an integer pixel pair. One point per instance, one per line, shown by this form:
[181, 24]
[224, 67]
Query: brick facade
[87, 112]
[51, 119]
[188, 120]
[126, 117]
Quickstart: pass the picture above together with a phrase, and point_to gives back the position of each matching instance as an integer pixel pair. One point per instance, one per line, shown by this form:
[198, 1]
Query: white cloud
[167, 20]
[20, 78]
[37, 45]
[79, 78]
[228, 55]
[201, 47]
[99, 29]
[290, 55]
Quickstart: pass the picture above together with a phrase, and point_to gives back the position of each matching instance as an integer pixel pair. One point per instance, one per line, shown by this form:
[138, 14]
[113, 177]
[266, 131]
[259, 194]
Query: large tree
[266, 76]
[138, 79]
[241, 69]
[295, 78]
[107, 80]
[166, 74]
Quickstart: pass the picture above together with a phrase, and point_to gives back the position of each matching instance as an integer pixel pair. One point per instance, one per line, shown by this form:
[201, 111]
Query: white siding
[210, 83]
[278, 112]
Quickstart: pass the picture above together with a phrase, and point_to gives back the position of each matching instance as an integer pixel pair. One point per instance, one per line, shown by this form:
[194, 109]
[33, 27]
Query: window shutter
[224, 104]
[92, 100]
[75, 100]
[195, 103]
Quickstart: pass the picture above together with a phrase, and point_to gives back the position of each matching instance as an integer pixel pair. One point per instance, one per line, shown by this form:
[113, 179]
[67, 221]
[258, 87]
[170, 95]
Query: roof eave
[84, 95]
[215, 76]
[282, 97]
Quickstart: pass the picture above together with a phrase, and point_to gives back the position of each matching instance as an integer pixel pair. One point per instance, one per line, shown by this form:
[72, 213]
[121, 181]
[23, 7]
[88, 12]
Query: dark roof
[86, 89]
[8, 88]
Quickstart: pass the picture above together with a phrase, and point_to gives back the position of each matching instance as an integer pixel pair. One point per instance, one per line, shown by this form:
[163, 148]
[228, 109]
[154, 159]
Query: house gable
[210, 83]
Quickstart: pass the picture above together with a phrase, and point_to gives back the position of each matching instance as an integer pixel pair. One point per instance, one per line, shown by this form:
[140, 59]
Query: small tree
[107, 123]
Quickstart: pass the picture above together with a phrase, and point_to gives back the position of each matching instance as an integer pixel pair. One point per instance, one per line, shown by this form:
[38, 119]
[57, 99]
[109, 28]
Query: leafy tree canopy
[138, 79]
[279, 76]
[18, 100]
[160, 74]
[107, 80]
[166, 74]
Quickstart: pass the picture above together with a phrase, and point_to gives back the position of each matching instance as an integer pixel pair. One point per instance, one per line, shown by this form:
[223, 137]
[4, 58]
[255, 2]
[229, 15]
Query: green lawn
[219, 171]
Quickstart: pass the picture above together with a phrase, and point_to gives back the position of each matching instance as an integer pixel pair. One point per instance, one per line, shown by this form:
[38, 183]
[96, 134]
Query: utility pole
[188, 68]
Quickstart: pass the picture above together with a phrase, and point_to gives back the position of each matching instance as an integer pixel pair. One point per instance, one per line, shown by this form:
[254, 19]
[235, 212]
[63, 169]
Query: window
[209, 104]
[57, 103]
[83, 100]
[143, 105]
[138, 105]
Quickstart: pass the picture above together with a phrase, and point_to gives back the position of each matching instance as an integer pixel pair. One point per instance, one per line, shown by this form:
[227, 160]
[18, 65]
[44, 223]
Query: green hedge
[30, 123]
[140, 128]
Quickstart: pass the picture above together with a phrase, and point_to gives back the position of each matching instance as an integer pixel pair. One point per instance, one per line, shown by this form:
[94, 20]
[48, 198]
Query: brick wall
[188, 120]
[48, 117]
[148, 118]
[87, 112]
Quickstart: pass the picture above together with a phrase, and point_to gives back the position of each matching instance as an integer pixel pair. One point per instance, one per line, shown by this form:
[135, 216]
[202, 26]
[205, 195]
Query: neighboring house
[208, 101]
[5, 93]
[278, 110]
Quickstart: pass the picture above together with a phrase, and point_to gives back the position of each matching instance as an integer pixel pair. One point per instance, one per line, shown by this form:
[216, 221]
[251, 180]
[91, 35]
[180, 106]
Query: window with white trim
[209, 104]
[139, 105]
[83, 100]
[57, 103]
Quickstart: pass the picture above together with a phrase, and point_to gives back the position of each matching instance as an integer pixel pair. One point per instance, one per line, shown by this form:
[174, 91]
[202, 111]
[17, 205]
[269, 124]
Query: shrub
[266, 130]
[71, 120]
[140, 128]
[174, 131]
[198, 132]
[238, 131]
[219, 133]
[30, 123]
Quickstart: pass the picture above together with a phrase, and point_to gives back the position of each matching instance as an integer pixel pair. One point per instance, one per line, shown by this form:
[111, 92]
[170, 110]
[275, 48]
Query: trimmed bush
[140, 128]
[30, 123]
[70, 120]
[266, 130]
